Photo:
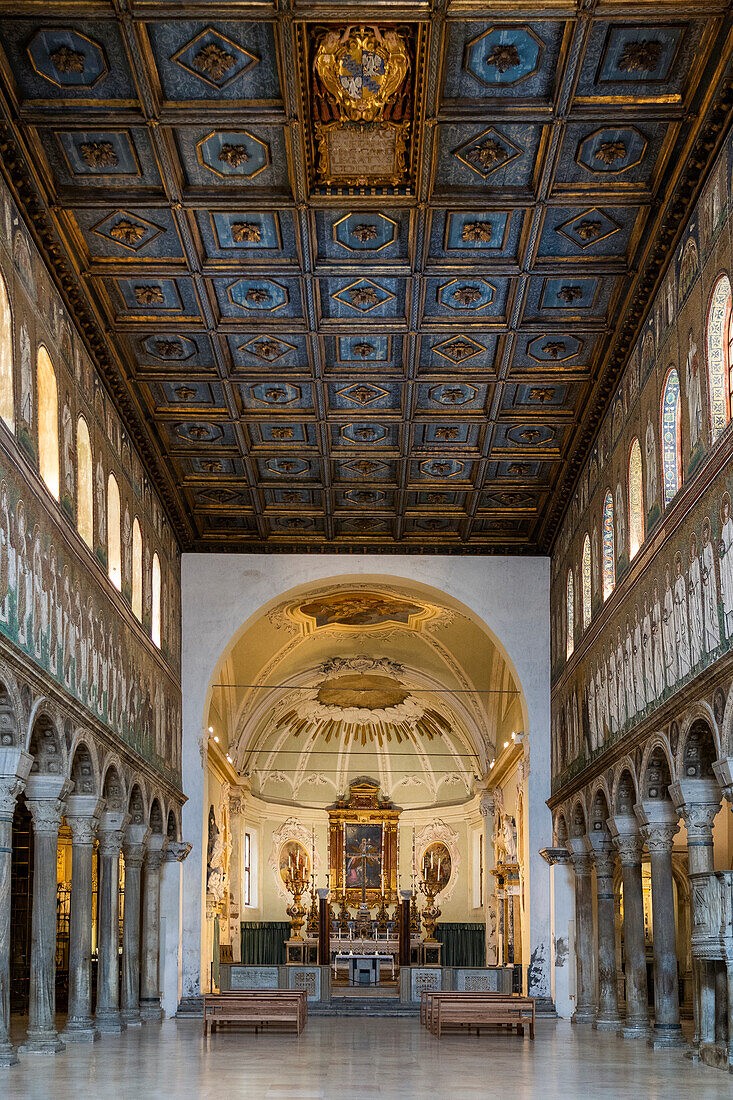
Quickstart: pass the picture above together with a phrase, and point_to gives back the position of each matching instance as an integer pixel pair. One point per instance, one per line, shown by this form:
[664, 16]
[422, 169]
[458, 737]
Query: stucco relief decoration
[359, 609]
[291, 831]
[361, 105]
[439, 833]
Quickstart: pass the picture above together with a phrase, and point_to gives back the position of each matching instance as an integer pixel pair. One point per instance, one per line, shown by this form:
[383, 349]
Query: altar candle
[397, 831]
[438, 868]
[313, 850]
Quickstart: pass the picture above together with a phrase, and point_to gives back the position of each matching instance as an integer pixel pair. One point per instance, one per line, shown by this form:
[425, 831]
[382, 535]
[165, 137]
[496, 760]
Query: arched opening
[84, 484]
[636, 500]
[7, 394]
[719, 361]
[114, 533]
[609, 546]
[671, 436]
[586, 568]
[48, 422]
[137, 570]
[155, 631]
[373, 725]
[570, 613]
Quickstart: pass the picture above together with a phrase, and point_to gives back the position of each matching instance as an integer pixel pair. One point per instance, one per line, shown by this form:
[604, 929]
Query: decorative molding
[439, 832]
[294, 830]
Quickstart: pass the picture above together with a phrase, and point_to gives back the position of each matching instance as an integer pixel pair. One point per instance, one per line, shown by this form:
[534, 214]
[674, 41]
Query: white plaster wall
[220, 592]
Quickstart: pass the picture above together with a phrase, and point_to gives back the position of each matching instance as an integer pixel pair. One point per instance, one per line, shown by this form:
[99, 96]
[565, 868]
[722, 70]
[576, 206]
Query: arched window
[137, 570]
[114, 535]
[155, 616]
[609, 550]
[84, 483]
[571, 615]
[671, 436]
[7, 399]
[48, 422]
[586, 569]
[720, 359]
[636, 500]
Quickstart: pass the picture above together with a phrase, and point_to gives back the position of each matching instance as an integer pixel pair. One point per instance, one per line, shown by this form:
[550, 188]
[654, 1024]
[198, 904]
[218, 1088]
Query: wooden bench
[508, 1012]
[428, 998]
[256, 1006]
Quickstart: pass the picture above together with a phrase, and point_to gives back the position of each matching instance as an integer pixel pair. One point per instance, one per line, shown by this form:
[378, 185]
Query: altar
[363, 969]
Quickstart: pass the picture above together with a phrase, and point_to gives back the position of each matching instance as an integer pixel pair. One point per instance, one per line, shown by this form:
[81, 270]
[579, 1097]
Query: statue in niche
[215, 885]
[509, 837]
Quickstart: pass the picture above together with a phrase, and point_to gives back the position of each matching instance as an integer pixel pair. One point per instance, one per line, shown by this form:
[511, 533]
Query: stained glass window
[48, 422]
[84, 484]
[586, 582]
[114, 533]
[155, 616]
[571, 615]
[137, 569]
[671, 436]
[609, 551]
[720, 367]
[636, 500]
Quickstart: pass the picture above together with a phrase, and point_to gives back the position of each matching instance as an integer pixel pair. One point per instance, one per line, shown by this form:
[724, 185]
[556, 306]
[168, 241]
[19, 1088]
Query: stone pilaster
[659, 830]
[111, 839]
[150, 1007]
[82, 817]
[45, 795]
[171, 925]
[607, 1017]
[491, 916]
[134, 848]
[630, 845]
[585, 1007]
[11, 785]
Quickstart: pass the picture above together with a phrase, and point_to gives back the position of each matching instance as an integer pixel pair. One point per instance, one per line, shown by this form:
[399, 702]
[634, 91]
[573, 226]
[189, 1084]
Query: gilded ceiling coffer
[362, 109]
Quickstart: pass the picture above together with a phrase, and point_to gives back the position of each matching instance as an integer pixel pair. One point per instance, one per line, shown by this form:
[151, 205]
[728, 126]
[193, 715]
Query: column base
[662, 1038]
[714, 1054]
[8, 1055]
[42, 1042]
[131, 1016]
[151, 1010]
[607, 1025]
[635, 1031]
[80, 1031]
[110, 1023]
[583, 1016]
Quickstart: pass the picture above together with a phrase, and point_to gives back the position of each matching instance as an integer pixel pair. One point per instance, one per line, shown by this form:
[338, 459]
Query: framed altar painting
[363, 855]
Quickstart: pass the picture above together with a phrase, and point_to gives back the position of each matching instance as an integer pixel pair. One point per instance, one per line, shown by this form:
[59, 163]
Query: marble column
[136, 839]
[659, 828]
[171, 905]
[699, 801]
[607, 1017]
[491, 916]
[45, 795]
[15, 766]
[585, 1007]
[111, 838]
[82, 817]
[636, 1025]
[150, 1007]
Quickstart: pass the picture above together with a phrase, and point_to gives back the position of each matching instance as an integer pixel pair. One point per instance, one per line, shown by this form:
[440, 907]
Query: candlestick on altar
[397, 831]
[313, 853]
[414, 866]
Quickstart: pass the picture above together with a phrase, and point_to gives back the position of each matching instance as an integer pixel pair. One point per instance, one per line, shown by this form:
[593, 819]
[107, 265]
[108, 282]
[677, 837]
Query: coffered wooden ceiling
[361, 276]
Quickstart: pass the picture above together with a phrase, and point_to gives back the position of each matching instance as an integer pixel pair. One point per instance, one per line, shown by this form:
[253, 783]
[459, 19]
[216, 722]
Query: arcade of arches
[366, 542]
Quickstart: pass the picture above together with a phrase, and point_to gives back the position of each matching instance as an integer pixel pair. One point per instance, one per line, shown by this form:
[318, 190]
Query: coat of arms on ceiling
[361, 103]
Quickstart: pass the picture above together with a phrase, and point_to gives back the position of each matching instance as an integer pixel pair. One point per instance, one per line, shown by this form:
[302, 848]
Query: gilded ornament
[364, 496]
[362, 394]
[127, 232]
[441, 469]
[364, 466]
[257, 295]
[588, 230]
[221, 496]
[99, 154]
[267, 349]
[364, 433]
[66, 60]
[570, 294]
[214, 61]
[453, 396]
[477, 232]
[246, 233]
[459, 350]
[364, 297]
[198, 431]
[362, 68]
[169, 349]
[149, 296]
[363, 524]
[611, 151]
[519, 468]
[185, 393]
[287, 467]
[437, 498]
[292, 522]
[642, 56]
[211, 466]
[275, 393]
[364, 233]
[292, 497]
[555, 348]
[432, 523]
[282, 433]
[542, 393]
[446, 433]
[486, 155]
[531, 435]
[466, 295]
[233, 155]
[503, 57]
[363, 350]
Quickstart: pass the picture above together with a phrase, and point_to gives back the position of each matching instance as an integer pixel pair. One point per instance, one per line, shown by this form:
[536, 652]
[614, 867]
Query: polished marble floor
[380, 1058]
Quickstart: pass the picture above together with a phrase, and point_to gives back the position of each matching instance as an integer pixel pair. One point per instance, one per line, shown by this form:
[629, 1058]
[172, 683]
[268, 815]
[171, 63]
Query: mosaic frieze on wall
[676, 618]
[39, 318]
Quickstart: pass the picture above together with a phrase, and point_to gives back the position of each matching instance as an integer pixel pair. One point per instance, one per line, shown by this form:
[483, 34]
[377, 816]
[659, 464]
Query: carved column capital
[582, 863]
[10, 787]
[659, 836]
[699, 818]
[134, 854]
[604, 859]
[83, 829]
[111, 841]
[156, 853]
[46, 801]
[487, 804]
[630, 847]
